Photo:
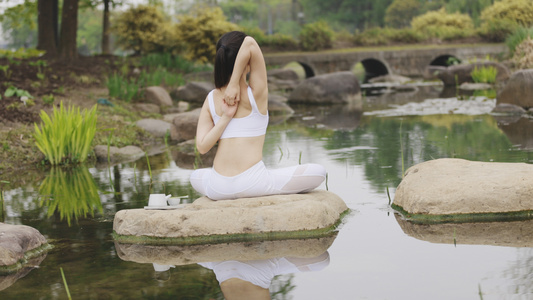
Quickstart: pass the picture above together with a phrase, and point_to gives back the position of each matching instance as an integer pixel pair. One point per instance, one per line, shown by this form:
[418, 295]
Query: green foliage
[21, 53]
[66, 137]
[519, 12]
[144, 29]
[169, 61]
[316, 36]
[48, 99]
[443, 25]
[72, 192]
[401, 12]
[281, 42]
[200, 30]
[517, 37]
[16, 92]
[484, 74]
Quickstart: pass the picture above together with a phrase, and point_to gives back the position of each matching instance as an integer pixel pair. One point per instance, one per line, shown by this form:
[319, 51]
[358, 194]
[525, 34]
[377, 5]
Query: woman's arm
[249, 55]
[207, 133]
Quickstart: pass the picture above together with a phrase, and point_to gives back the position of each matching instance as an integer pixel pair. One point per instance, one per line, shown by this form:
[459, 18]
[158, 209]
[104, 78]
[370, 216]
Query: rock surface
[279, 214]
[124, 154]
[158, 95]
[16, 241]
[333, 88]
[194, 92]
[184, 125]
[156, 127]
[456, 186]
[519, 89]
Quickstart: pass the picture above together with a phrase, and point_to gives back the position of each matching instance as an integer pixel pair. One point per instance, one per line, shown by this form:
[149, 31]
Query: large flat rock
[205, 221]
[461, 190]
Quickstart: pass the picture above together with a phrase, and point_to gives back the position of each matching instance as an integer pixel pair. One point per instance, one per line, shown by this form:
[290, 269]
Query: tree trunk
[69, 27]
[106, 46]
[47, 26]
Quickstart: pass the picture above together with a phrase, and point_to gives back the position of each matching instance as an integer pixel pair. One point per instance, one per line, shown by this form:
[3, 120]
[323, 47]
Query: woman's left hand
[229, 110]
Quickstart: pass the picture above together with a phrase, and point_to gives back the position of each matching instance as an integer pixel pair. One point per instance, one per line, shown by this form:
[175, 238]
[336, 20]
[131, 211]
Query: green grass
[67, 135]
[484, 74]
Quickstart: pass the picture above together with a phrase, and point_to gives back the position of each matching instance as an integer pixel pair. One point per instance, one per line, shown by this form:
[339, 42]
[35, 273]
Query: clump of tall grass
[484, 74]
[130, 88]
[66, 136]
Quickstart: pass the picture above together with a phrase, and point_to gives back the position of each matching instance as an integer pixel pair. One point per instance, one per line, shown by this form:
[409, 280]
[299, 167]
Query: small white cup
[158, 200]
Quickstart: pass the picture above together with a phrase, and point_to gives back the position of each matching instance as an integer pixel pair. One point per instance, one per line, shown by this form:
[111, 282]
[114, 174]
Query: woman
[235, 115]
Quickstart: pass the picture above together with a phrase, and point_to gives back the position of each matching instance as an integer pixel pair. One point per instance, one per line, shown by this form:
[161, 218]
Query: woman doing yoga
[235, 114]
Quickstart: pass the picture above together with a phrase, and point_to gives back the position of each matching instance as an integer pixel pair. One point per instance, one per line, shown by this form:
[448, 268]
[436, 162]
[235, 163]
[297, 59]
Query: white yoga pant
[258, 181]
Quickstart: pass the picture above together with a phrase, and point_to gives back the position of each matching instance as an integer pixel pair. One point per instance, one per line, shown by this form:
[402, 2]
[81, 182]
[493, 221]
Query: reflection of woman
[251, 279]
[235, 115]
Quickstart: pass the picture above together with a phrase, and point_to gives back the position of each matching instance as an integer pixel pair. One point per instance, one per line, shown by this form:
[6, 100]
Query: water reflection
[254, 266]
[70, 192]
[8, 280]
[508, 234]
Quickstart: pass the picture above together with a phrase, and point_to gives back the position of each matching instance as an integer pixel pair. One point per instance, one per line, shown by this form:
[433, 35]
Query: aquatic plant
[66, 137]
[72, 192]
[121, 87]
[65, 283]
[484, 74]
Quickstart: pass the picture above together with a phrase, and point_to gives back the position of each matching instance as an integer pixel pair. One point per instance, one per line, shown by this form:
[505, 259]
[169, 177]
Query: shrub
[484, 74]
[516, 11]
[523, 55]
[258, 34]
[121, 87]
[281, 42]
[316, 36]
[169, 61]
[385, 36]
[497, 30]
[67, 136]
[401, 12]
[144, 29]
[200, 30]
[443, 25]
[517, 37]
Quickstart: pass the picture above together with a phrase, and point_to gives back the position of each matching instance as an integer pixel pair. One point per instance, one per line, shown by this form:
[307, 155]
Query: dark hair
[227, 49]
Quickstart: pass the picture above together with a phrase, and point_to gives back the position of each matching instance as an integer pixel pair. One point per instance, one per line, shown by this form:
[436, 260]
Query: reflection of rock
[519, 132]
[457, 74]
[189, 254]
[341, 117]
[508, 234]
[390, 78]
[9, 279]
[332, 88]
[18, 243]
[418, 94]
[457, 189]
[519, 89]
[311, 214]
[186, 157]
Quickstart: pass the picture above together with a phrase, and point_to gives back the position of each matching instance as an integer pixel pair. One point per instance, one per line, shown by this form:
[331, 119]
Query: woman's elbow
[202, 149]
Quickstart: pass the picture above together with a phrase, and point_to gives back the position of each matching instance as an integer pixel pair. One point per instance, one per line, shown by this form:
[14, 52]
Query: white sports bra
[254, 124]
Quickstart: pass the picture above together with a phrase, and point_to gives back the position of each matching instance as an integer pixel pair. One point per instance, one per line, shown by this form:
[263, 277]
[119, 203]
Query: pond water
[375, 254]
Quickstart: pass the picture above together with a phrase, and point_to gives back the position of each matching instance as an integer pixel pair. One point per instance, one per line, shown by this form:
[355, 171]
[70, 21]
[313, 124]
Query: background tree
[106, 23]
[68, 49]
[19, 24]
